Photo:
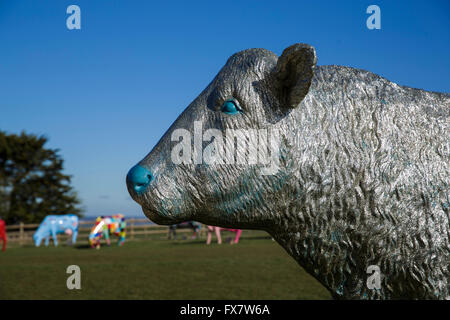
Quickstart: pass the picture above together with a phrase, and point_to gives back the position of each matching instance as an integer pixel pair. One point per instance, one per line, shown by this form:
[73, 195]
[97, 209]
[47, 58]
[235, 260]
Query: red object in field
[3, 233]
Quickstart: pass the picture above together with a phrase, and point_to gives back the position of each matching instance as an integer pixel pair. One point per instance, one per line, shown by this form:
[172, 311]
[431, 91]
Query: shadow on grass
[82, 246]
[186, 242]
[257, 238]
[26, 246]
[225, 240]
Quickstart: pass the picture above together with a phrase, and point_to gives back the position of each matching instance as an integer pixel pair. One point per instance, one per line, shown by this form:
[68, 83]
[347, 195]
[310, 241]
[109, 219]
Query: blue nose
[139, 178]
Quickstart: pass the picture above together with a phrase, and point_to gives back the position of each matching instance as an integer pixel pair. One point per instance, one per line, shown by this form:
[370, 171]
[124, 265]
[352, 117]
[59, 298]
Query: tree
[32, 184]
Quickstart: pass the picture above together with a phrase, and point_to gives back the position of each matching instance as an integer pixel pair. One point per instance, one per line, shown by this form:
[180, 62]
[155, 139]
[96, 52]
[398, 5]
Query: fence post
[132, 229]
[21, 234]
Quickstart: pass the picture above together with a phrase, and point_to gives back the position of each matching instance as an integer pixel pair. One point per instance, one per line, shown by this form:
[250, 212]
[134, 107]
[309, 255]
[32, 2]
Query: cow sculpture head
[219, 162]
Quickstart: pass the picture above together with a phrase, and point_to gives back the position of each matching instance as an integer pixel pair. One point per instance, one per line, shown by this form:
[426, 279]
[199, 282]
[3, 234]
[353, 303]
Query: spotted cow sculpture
[106, 226]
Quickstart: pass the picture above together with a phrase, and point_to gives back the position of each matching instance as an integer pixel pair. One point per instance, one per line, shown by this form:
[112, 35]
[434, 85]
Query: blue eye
[230, 107]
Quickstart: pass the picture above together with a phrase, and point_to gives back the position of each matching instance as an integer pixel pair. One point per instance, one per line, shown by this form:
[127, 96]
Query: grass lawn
[256, 268]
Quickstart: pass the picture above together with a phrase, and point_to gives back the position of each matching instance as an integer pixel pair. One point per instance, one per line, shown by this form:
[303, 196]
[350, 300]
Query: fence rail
[137, 229]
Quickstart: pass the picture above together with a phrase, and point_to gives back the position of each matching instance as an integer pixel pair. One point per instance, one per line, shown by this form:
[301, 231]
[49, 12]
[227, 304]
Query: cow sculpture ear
[294, 72]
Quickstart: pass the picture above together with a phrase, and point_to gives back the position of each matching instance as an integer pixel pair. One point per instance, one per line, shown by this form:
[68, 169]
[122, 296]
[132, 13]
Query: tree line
[32, 182]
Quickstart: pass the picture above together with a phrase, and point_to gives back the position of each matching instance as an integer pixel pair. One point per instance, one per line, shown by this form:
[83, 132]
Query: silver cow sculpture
[361, 181]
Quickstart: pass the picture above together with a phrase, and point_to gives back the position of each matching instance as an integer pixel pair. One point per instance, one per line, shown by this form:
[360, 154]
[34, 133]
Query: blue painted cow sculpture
[53, 225]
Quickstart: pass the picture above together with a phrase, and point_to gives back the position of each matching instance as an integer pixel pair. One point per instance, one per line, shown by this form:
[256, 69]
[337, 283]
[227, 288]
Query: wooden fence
[137, 229]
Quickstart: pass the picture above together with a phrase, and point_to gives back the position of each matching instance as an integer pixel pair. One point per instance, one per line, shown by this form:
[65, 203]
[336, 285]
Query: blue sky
[105, 94]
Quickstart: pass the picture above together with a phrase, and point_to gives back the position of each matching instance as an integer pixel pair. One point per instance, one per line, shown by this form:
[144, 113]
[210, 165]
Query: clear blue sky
[105, 94]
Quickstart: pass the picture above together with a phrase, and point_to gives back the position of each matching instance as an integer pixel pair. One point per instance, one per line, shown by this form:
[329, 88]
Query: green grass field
[256, 268]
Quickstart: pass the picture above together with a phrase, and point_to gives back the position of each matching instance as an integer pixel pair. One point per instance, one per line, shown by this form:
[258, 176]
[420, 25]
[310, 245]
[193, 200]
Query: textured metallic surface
[363, 179]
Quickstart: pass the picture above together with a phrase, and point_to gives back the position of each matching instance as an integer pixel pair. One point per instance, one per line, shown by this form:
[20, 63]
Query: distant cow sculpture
[55, 224]
[195, 226]
[3, 234]
[104, 227]
[217, 231]
[358, 177]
